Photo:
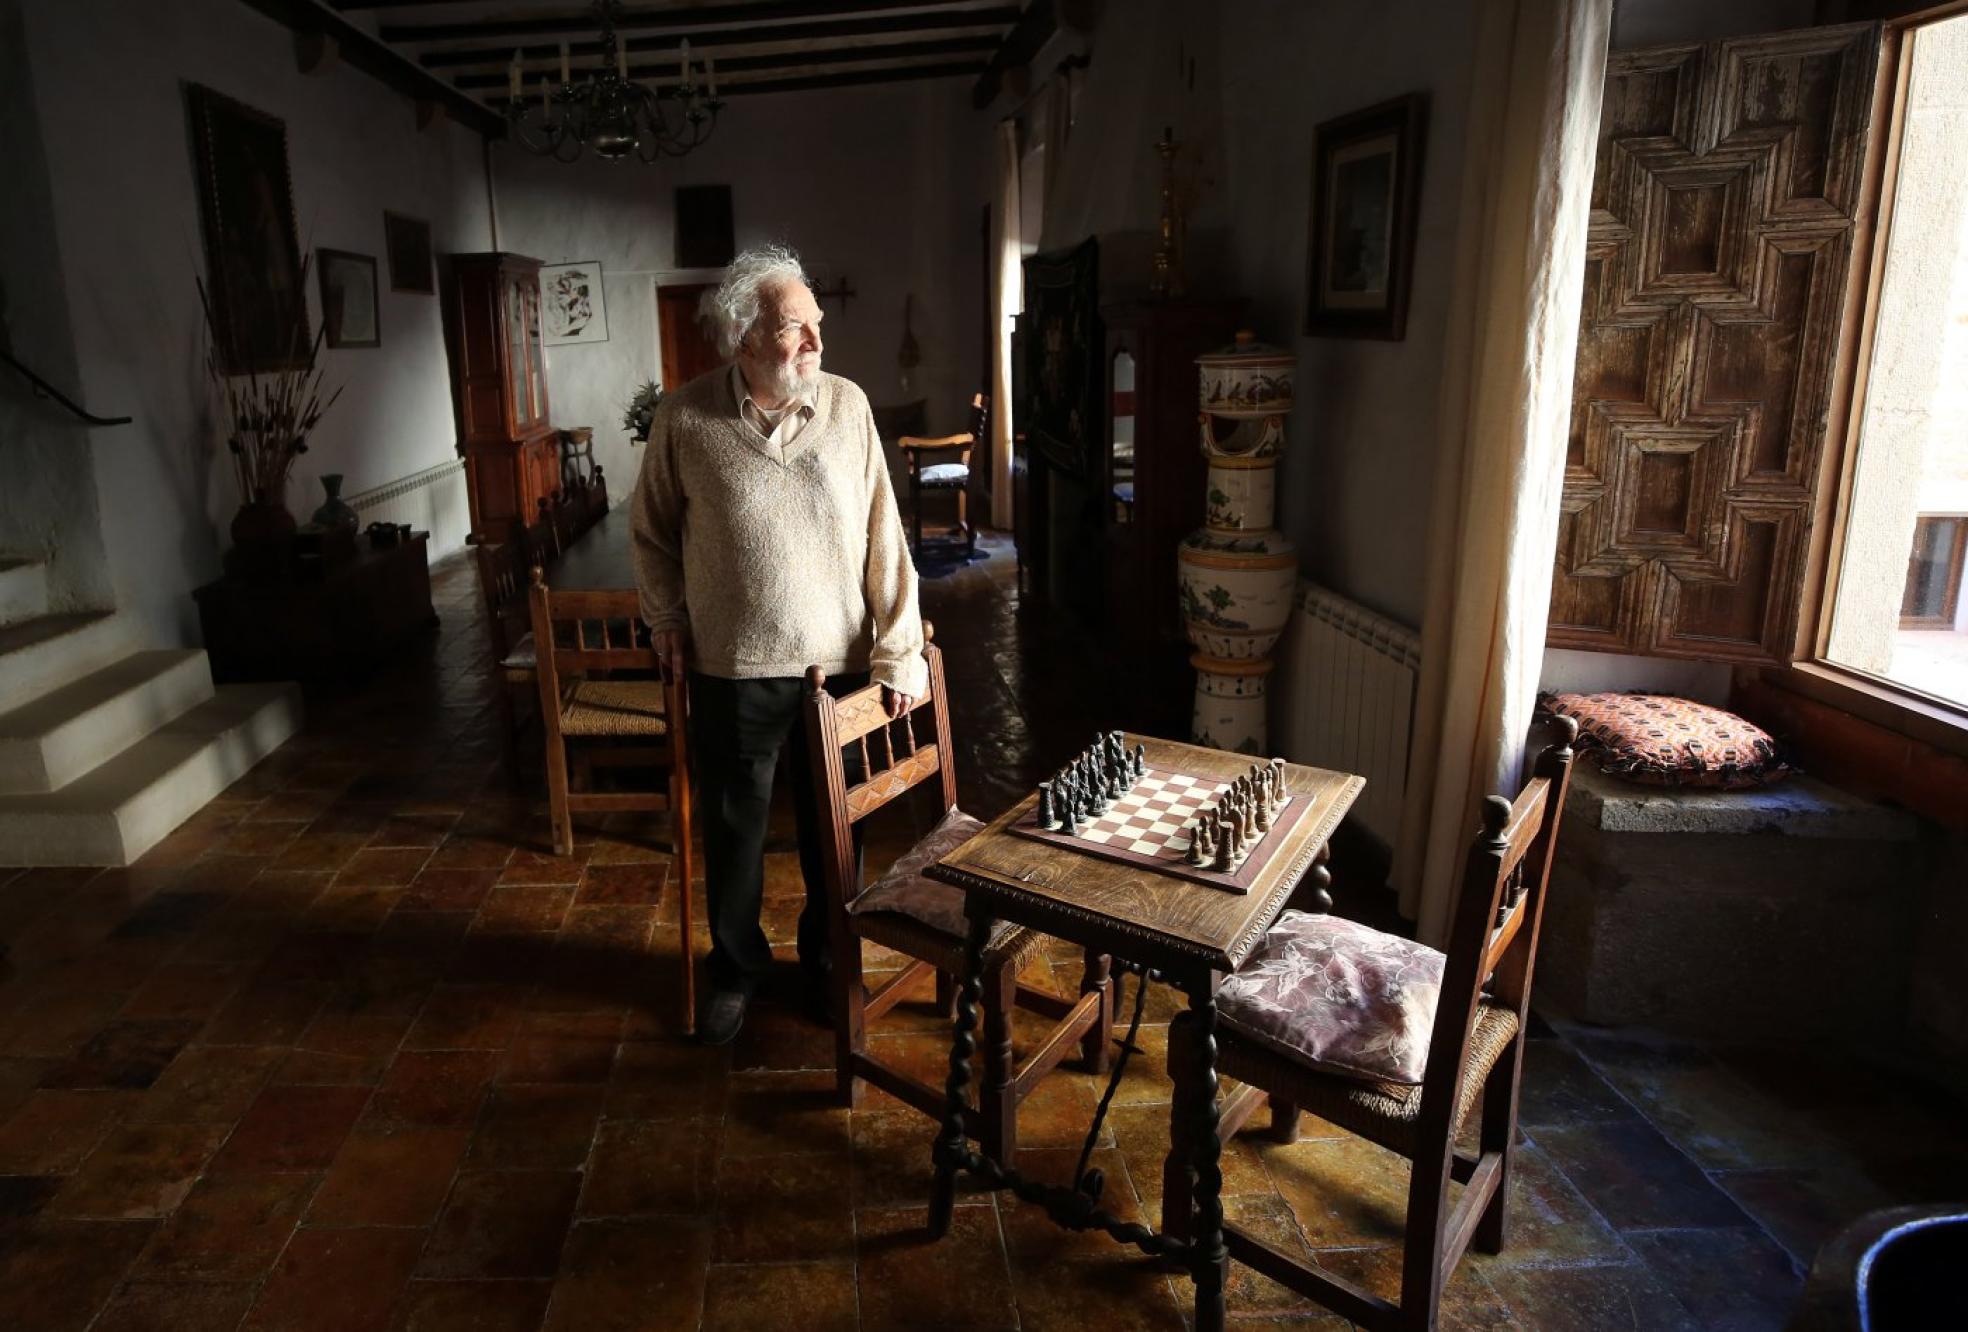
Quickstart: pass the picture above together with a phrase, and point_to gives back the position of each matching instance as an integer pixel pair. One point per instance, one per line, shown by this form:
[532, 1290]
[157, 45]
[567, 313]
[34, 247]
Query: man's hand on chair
[898, 704]
[671, 645]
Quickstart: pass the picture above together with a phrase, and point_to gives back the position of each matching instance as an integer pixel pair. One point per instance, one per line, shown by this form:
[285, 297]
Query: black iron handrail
[43, 389]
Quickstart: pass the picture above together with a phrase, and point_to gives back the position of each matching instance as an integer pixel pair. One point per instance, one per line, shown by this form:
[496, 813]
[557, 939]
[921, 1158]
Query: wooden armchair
[924, 920]
[945, 477]
[587, 641]
[1474, 1049]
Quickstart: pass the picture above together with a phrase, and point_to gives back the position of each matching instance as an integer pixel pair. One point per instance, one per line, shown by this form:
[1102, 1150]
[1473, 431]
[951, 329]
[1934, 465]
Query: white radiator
[1347, 700]
[432, 500]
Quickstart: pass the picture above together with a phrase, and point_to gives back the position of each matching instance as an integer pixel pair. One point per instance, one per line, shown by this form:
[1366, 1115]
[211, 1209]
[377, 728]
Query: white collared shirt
[779, 427]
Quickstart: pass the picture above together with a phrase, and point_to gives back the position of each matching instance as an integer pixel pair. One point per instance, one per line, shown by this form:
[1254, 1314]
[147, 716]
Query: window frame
[1811, 672]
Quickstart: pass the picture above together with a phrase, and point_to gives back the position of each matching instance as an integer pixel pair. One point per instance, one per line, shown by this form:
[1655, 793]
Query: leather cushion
[1338, 996]
[904, 890]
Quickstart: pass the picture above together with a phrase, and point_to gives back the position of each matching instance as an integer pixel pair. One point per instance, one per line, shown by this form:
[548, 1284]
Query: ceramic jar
[1248, 379]
[1236, 576]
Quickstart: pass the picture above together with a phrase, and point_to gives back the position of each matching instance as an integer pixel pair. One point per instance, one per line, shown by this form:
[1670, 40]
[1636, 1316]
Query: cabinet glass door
[516, 377]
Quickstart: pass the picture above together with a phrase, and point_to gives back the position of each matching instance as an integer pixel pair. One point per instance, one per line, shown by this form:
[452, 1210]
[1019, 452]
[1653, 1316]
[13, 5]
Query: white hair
[735, 306]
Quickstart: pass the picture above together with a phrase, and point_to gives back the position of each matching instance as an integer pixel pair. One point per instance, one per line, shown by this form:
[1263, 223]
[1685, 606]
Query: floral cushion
[905, 891]
[1666, 741]
[1337, 995]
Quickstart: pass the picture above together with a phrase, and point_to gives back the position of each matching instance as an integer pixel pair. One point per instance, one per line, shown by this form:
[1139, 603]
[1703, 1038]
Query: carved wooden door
[1723, 216]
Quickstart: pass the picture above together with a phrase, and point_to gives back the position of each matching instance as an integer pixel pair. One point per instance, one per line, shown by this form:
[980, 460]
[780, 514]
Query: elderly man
[767, 540]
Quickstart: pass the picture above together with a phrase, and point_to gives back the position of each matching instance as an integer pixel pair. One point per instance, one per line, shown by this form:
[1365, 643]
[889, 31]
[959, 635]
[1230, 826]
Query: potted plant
[267, 416]
[642, 410]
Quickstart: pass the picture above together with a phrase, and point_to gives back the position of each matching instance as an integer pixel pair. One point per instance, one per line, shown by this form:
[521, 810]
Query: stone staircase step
[23, 588]
[118, 810]
[49, 742]
[49, 651]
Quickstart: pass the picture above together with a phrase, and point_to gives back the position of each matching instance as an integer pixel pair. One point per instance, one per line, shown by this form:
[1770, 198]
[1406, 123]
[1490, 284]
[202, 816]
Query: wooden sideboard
[499, 383]
[331, 630]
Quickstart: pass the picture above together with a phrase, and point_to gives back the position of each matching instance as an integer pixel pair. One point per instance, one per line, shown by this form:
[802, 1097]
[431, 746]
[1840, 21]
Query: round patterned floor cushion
[1667, 741]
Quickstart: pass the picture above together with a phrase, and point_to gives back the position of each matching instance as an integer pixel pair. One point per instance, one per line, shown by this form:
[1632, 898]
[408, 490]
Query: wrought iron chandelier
[608, 112]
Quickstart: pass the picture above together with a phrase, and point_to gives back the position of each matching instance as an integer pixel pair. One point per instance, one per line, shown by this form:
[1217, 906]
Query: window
[1895, 592]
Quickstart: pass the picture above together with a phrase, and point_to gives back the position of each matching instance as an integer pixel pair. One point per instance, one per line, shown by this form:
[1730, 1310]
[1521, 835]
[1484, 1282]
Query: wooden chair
[1475, 1049]
[565, 515]
[597, 496]
[946, 477]
[924, 920]
[539, 542]
[502, 580]
[586, 642]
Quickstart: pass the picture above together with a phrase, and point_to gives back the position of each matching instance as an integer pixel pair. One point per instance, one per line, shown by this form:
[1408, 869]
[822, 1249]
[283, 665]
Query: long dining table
[599, 560]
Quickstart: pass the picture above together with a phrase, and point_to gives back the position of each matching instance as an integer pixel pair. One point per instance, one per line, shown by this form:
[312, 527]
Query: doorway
[687, 348]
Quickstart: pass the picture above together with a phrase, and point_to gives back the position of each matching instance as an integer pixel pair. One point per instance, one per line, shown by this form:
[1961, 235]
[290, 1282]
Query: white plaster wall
[108, 80]
[881, 185]
[48, 503]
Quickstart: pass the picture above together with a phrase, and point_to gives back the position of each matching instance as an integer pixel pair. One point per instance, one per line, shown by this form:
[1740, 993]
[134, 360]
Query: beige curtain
[1506, 395]
[1007, 296]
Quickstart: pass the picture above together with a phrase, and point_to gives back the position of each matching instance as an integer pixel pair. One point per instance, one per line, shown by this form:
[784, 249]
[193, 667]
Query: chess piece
[1225, 857]
[1278, 768]
[1198, 853]
[1140, 760]
[1046, 818]
[1261, 815]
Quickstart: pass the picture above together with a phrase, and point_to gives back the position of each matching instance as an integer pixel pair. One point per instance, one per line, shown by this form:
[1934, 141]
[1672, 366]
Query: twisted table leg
[951, 1154]
[1209, 1259]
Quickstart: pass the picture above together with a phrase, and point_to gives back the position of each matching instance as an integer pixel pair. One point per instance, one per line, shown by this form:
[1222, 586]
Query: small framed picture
[407, 242]
[348, 298]
[1366, 182]
[571, 305]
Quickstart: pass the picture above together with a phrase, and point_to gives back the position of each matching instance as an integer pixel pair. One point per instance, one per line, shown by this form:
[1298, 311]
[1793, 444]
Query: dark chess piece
[1140, 760]
[1198, 845]
[1046, 818]
[1225, 857]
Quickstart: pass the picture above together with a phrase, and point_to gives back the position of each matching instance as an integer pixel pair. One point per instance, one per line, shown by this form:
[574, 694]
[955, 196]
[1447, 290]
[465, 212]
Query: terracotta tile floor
[349, 1050]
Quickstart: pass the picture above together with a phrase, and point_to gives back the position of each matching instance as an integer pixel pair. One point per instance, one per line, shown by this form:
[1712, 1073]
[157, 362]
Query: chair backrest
[566, 513]
[890, 766]
[539, 542]
[1494, 932]
[502, 578]
[578, 634]
[980, 416]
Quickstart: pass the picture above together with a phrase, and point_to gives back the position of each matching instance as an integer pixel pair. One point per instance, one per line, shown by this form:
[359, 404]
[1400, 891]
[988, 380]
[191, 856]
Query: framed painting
[1366, 182]
[348, 298]
[572, 308]
[253, 279]
[407, 242]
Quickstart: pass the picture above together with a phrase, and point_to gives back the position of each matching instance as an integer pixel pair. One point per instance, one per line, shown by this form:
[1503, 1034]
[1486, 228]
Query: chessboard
[1152, 824]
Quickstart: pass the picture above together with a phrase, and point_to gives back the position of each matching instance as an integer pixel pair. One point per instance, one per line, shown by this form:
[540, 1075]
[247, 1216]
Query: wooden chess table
[1147, 918]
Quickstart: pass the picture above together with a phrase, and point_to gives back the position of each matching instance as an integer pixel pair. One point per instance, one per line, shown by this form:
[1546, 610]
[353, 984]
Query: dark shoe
[722, 1017]
[817, 995]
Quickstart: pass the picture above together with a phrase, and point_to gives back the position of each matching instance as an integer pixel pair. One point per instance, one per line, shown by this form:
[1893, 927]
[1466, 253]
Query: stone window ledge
[1799, 806]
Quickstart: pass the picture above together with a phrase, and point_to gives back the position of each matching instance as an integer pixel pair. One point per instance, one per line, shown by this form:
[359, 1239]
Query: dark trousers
[738, 729]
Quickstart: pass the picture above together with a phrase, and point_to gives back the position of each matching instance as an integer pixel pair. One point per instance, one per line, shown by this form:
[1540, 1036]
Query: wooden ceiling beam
[667, 65]
[795, 20]
[1032, 31]
[900, 74]
[717, 42]
[380, 61]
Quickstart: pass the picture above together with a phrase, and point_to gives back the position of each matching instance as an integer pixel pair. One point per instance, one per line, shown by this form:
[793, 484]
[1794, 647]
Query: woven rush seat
[1382, 1112]
[938, 475]
[614, 707]
[522, 657]
[916, 915]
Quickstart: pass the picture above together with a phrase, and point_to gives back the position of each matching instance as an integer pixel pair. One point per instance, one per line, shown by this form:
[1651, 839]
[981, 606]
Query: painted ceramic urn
[1237, 574]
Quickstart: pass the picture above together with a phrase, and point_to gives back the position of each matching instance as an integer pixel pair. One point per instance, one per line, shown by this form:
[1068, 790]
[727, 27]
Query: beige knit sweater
[776, 560]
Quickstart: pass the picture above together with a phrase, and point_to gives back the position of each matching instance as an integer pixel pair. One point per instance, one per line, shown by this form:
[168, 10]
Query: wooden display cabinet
[1153, 454]
[499, 383]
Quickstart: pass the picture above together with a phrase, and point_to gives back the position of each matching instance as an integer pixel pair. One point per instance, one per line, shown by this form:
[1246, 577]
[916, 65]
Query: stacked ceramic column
[1238, 573]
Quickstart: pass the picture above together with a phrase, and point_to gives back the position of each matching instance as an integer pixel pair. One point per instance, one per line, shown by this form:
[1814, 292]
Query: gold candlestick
[1166, 279]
